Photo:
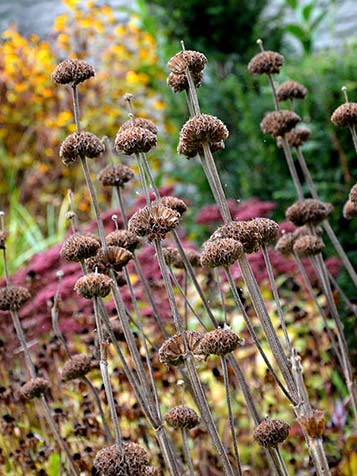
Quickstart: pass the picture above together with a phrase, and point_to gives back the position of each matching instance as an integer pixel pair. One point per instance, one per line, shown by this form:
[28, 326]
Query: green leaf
[54, 464]
[296, 30]
[307, 11]
[292, 4]
[318, 20]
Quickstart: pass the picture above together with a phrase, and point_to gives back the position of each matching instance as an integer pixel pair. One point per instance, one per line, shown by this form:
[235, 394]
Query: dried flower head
[308, 245]
[345, 115]
[188, 59]
[266, 62]
[219, 342]
[285, 244]
[221, 252]
[314, 425]
[3, 237]
[154, 223]
[305, 230]
[115, 175]
[174, 203]
[194, 257]
[291, 90]
[117, 330]
[134, 140]
[140, 122]
[296, 137]
[172, 351]
[309, 211]
[269, 433]
[93, 285]
[76, 367]
[117, 258]
[244, 231]
[35, 387]
[353, 194]
[267, 230]
[123, 238]
[12, 299]
[182, 416]
[277, 123]
[350, 210]
[151, 471]
[82, 144]
[172, 257]
[130, 461]
[79, 247]
[179, 83]
[72, 71]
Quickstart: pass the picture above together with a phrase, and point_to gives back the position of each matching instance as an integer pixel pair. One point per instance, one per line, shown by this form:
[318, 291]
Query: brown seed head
[35, 387]
[345, 115]
[183, 60]
[154, 223]
[151, 471]
[93, 285]
[72, 71]
[76, 367]
[3, 237]
[182, 417]
[219, 342]
[194, 257]
[140, 122]
[285, 244]
[84, 144]
[296, 137]
[267, 230]
[134, 140]
[277, 123]
[172, 351]
[12, 299]
[115, 175]
[123, 238]
[266, 62]
[291, 90]
[314, 425]
[350, 210]
[172, 257]
[221, 252]
[179, 83]
[353, 194]
[79, 247]
[305, 230]
[308, 245]
[244, 231]
[309, 211]
[174, 203]
[130, 461]
[117, 258]
[269, 433]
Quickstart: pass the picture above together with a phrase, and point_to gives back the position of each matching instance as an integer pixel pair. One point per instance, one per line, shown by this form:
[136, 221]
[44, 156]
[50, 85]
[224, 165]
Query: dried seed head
[174, 203]
[117, 258]
[194, 257]
[140, 122]
[267, 229]
[183, 60]
[123, 238]
[285, 244]
[76, 367]
[296, 137]
[201, 129]
[221, 252]
[277, 123]
[309, 211]
[179, 83]
[353, 194]
[154, 223]
[219, 342]
[350, 210]
[191, 150]
[72, 71]
[244, 231]
[266, 62]
[93, 285]
[79, 247]
[172, 257]
[345, 115]
[308, 245]
[134, 140]
[291, 90]
[12, 299]
[305, 230]
[117, 329]
[130, 461]
[115, 175]
[172, 351]
[182, 417]
[151, 471]
[314, 425]
[3, 237]
[35, 387]
[83, 144]
[269, 433]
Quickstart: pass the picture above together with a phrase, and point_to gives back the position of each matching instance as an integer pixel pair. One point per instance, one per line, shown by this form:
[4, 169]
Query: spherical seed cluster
[140, 122]
[296, 137]
[182, 416]
[244, 231]
[277, 123]
[219, 342]
[117, 257]
[285, 244]
[266, 62]
[76, 367]
[174, 203]
[154, 223]
[314, 425]
[3, 237]
[93, 285]
[35, 387]
[188, 59]
[221, 252]
[345, 115]
[267, 229]
[12, 299]
[172, 351]
[269, 433]
[123, 238]
[172, 257]
[134, 140]
[72, 71]
[115, 175]
[130, 461]
[308, 245]
[309, 211]
[291, 90]
[353, 194]
[202, 128]
[79, 247]
[83, 144]
[305, 230]
[350, 210]
[179, 83]
[194, 257]
[151, 471]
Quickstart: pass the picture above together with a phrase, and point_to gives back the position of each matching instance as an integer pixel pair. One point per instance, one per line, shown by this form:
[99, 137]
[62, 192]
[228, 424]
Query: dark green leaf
[296, 30]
